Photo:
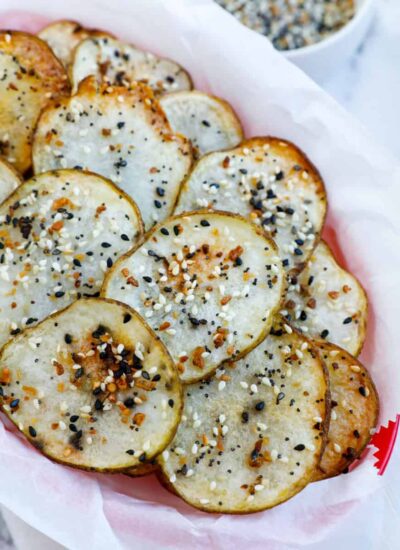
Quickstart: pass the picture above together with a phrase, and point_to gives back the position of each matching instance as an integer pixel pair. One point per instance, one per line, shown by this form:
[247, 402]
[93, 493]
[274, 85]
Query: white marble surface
[368, 85]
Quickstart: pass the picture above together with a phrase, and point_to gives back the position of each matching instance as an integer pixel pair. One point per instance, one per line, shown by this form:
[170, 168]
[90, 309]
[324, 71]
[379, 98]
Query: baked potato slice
[144, 469]
[208, 283]
[92, 386]
[63, 37]
[30, 77]
[9, 179]
[252, 436]
[271, 182]
[119, 64]
[209, 122]
[327, 303]
[59, 233]
[354, 410]
[121, 134]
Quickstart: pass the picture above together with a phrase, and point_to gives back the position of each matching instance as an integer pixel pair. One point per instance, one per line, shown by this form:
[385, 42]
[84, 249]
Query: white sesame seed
[221, 385]
[337, 448]
[355, 368]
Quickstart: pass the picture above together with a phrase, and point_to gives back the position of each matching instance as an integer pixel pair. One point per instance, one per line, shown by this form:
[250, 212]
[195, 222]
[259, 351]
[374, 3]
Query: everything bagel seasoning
[292, 24]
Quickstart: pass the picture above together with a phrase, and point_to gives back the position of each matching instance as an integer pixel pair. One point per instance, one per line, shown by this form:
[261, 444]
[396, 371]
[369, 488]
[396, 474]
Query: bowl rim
[361, 12]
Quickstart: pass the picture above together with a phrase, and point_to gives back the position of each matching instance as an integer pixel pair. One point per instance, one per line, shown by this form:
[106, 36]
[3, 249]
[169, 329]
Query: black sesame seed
[105, 245]
[171, 403]
[31, 320]
[157, 204]
[130, 452]
[347, 320]
[73, 428]
[238, 261]
[205, 123]
[77, 263]
[79, 372]
[164, 231]
[300, 447]
[32, 431]
[120, 125]
[129, 402]
[160, 191]
[127, 318]
[298, 252]
[147, 279]
[124, 237]
[14, 403]
[362, 391]
[245, 416]
[281, 395]
[68, 339]
[260, 406]
[74, 418]
[98, 405]
[204, 223]
[324, 333]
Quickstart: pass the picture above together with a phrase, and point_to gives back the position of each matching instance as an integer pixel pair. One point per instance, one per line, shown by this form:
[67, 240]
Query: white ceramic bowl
[322, 59]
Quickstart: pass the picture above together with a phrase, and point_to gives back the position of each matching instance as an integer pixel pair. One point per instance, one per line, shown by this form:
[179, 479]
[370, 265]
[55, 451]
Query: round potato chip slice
[121, 134]
[271, 182]
[327, 303]
[9, 179]
[63, 37]
[59, 233]
[92, 387]
[354, 410]
[144, 469]
[252, 436]
[119, 64]
[209, 122]
[207, 283]
[30, 77]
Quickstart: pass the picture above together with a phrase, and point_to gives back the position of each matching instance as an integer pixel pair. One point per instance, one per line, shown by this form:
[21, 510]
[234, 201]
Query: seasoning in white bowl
[292, 24]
